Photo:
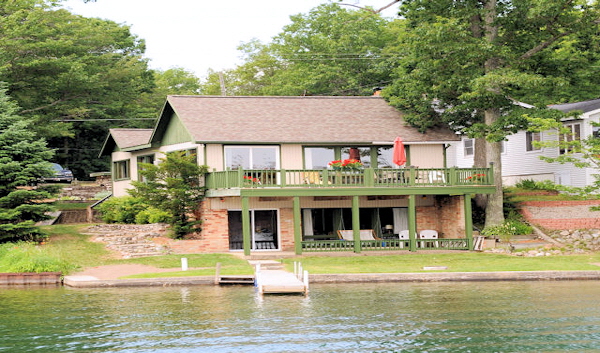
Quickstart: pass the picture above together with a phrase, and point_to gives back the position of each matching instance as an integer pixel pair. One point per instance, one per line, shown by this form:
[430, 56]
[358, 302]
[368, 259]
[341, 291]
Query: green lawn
[456, 262]
[73, 251]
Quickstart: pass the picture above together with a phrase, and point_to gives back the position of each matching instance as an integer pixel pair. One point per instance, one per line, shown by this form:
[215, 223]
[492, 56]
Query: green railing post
[297, 226]
[282, 178]
[369, 177]
[491, 174]
[240, 177]
[246, 231]
[412, 222]
[468, 221]
[453, 176]
[356, 224]
[325, 177]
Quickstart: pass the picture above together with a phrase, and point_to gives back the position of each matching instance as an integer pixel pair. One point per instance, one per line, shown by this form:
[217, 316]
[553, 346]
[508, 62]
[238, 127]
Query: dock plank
[278, 281]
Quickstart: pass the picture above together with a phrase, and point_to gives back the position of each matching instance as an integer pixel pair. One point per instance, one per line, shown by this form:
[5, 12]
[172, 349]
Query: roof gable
[278, 119]
[120, 139]
[584, 106]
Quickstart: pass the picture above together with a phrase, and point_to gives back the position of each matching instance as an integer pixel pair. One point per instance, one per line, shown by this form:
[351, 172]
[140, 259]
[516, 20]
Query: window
[143, 159]
[469, 147]
[121, 170]
[573, 133]
[363, 154]
[385, 157]
[252, 157]
[530, 138]
[318, 157]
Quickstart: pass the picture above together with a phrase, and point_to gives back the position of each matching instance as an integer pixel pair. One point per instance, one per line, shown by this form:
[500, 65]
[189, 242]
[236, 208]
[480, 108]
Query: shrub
[29, 257]
[152, 215]
[121, 209]
[530, 184]
[507, 229]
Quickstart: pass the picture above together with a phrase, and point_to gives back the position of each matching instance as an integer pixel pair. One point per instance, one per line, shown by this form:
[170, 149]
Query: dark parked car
[60, 174]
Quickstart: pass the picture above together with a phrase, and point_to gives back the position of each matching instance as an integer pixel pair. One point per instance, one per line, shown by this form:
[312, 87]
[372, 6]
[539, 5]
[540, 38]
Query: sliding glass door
[264, 230]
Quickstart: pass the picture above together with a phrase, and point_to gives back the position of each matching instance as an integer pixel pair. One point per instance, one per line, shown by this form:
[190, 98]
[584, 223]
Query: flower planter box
[30, 278]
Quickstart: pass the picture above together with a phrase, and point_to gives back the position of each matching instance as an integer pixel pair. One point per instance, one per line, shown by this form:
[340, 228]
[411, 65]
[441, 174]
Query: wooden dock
[274, 281]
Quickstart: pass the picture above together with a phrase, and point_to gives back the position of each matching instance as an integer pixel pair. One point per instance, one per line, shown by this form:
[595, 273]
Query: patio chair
[437, 177]
[404, 235]
[365, 234]
[313, 178]
[426, 236]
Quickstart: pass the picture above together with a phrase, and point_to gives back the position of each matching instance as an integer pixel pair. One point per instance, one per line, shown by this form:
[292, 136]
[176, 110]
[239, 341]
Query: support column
[246, 231]
[297, 226]
[468, 221]
[356, 224]
[412, 222]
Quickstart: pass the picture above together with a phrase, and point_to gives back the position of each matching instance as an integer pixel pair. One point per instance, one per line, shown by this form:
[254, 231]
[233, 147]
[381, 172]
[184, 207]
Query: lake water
[389, 317]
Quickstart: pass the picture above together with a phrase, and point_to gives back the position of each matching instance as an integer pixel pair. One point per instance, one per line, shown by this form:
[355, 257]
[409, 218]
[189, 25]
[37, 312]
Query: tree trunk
[480, 161]
[494, 212]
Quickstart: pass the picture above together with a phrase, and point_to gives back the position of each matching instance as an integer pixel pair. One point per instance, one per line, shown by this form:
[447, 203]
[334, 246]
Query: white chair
[429, 234]
[404, 235]
[437, 177]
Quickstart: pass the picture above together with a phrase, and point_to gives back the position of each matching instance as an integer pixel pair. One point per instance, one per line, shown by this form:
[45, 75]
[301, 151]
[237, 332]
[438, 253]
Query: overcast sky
[201, 34]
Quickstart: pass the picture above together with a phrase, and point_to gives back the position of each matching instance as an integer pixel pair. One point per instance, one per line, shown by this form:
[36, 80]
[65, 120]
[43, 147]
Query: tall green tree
[71, 74]
[173, 186]
[23, 160]
[172, 81]
[465, 63]
[329, 51]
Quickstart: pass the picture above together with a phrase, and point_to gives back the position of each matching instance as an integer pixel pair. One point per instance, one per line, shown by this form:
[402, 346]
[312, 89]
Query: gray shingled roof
[585, 106]
[313, 119]
[125, 138]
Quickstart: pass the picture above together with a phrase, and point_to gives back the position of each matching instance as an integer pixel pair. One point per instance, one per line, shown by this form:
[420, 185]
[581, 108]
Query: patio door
[264, 230]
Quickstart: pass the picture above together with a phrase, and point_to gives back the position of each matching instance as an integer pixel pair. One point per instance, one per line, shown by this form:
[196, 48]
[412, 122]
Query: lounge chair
[365, 234]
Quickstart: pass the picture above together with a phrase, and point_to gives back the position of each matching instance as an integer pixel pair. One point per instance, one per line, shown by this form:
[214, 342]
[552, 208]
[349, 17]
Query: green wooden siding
[175, 132]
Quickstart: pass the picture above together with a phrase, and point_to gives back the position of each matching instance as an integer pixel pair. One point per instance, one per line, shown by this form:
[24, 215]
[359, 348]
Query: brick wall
[214, 236]
[558, 215]
[447, 216]
[286, 219]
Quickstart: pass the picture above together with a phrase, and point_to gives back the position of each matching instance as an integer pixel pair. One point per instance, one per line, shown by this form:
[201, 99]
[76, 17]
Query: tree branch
[56, 102]
[371, 10]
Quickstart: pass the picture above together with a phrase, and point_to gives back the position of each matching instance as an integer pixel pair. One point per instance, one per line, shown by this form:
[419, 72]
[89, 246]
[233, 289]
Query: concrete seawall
[92, 282]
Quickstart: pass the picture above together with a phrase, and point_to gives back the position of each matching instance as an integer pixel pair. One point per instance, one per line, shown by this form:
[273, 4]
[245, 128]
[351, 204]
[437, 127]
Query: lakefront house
[521, 156]
[309, 174]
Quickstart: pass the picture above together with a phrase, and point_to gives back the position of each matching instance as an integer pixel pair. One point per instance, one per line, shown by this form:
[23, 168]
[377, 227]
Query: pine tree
[23, 160]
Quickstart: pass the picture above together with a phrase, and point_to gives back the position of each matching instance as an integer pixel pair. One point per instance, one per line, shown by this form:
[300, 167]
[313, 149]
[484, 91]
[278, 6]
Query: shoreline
[93, 282]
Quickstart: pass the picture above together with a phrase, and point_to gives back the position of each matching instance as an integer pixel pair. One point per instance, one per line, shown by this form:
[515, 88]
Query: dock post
[257, 279]
[305, 280]
[218, 273]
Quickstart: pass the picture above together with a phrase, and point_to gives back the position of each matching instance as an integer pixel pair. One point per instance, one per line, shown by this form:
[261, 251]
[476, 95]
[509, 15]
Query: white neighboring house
[521, 160]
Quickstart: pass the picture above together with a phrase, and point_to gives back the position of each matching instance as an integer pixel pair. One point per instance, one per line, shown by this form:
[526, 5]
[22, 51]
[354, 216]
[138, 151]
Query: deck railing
[385, 245]
[368, 177]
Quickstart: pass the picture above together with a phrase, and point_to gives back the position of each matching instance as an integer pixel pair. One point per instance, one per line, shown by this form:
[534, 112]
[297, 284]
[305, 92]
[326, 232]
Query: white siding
[519, 164]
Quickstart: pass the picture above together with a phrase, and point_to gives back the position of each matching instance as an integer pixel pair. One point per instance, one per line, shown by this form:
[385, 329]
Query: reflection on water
[407, 317]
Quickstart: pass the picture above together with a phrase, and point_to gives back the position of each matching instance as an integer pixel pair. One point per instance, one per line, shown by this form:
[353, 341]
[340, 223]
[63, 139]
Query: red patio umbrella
[399, 156]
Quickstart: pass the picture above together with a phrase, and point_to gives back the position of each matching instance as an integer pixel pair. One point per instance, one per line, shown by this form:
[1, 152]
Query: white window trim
[275, 147]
